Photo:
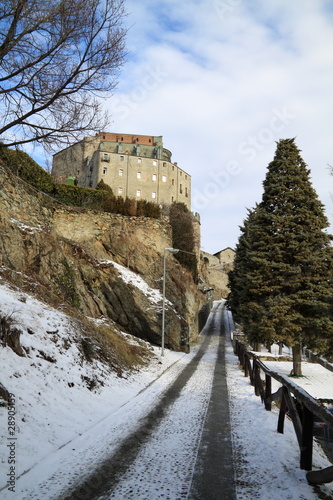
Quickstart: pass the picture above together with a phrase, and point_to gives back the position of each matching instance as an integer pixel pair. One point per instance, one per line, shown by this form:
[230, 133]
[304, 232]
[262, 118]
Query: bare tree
[57, 59]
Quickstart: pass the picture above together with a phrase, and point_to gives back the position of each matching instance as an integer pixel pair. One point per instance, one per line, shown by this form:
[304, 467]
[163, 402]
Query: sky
[222, 81]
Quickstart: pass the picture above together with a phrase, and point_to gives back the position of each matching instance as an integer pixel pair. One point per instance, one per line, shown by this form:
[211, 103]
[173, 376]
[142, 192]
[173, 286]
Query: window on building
[120, 190]
[105, 170]
[181, 173]
[121, 172]
[173, 182]
[154, 163]
[181, 188]
[138, 175]
[106, 157]
[138, 193]
[171, 199]
[139, 160]
[122, 158]
[173, 167]
[163, 178]
[186, 193]
[164, 164]
[153, 195]
[154, 177]
[186, 177]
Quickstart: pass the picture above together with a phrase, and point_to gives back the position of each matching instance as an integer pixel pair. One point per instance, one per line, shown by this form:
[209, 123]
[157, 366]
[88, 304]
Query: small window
[120, 190]
[122, 158]
[173, 167]
[154, 177]
[180, 188]
[164, 164]
[105, 157]
[163, 178]
[186, 193]
[105, 170]
[154, 163]
[138, 175]
[121, 172]
[138, 193]
[139, 160]
[181, 173]
[185, 177]
[153, 195]
[173, 182]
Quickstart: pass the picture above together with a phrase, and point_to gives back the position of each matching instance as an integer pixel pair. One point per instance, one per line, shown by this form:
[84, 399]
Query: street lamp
[171, 250]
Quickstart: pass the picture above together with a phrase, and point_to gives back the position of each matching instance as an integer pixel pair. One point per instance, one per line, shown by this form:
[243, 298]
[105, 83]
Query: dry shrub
[111, 347]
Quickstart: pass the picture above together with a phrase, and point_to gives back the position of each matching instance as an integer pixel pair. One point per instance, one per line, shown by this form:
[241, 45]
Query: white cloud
[222, 81]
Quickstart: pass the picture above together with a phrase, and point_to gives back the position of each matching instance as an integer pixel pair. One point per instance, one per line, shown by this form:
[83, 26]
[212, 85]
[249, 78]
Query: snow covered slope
[51, 384]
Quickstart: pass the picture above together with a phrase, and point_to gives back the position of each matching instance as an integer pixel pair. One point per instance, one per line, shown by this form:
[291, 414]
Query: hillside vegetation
[101, 198]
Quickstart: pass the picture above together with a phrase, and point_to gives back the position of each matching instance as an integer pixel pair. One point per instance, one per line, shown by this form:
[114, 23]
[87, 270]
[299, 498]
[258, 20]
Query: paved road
[182, 448]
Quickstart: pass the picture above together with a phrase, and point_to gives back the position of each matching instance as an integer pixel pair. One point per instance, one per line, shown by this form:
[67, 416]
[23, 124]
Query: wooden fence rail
[300, 405]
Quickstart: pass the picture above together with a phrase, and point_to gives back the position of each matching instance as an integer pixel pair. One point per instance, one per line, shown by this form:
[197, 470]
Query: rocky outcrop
[71, 259]
[215, 273]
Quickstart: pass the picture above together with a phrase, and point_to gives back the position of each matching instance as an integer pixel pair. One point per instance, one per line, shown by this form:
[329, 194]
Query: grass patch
[121, 352]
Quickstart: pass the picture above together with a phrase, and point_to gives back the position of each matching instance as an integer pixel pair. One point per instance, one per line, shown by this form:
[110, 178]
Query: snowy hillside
[51, 383]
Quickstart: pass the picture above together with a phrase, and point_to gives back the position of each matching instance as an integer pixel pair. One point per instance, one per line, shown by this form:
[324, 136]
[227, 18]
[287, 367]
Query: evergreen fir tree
[285, 291]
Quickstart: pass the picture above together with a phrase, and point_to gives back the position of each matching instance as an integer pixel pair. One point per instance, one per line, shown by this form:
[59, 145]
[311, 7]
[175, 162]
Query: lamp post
[171, 250]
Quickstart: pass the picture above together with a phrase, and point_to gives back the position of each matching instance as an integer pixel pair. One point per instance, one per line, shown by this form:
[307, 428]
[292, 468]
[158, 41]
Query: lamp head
[172, 250]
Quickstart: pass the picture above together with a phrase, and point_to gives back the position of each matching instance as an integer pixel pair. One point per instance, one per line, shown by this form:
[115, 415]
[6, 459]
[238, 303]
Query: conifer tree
[281, 287]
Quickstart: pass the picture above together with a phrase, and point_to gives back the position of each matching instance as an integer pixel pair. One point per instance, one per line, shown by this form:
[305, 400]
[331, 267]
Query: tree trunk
[297, 360]
[280, 348]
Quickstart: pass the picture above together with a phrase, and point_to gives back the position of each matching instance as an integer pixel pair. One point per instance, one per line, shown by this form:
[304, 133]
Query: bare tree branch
[56, 58]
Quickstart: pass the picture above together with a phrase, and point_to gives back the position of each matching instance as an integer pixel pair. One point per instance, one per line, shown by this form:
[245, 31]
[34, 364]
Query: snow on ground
[136, 280]
[164, 466]
[316, 380]
[62, 428]
[267, 463]
[52, 401]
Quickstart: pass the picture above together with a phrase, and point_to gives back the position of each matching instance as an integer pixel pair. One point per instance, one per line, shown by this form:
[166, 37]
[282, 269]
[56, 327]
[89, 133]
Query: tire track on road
[102, 480]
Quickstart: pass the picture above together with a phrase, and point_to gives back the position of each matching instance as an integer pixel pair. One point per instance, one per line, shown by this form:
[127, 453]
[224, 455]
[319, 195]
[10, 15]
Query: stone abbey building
[134, 166]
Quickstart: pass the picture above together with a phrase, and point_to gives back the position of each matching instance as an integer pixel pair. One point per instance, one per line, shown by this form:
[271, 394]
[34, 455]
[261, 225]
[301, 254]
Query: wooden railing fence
[300, 405]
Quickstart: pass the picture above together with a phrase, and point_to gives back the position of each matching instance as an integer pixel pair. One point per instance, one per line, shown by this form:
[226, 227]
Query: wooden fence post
[256, 370]
[246, 364]
[282, 412]
[307, 439]
[268, 392]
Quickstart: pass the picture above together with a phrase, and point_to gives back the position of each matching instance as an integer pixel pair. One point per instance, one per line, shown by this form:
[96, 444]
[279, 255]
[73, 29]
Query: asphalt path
[182, 448]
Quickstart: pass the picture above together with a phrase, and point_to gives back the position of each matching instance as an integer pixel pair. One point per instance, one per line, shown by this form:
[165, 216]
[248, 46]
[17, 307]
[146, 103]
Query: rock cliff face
[80, 261]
